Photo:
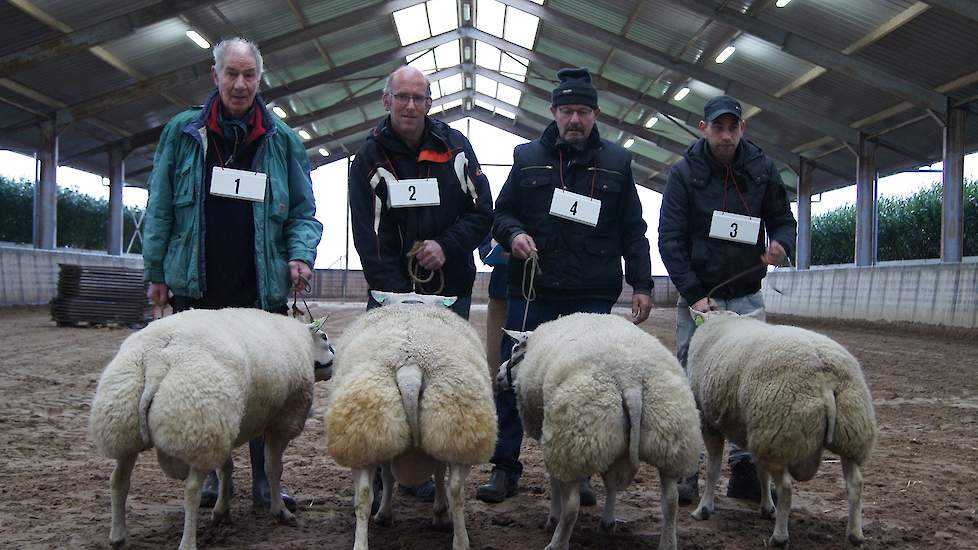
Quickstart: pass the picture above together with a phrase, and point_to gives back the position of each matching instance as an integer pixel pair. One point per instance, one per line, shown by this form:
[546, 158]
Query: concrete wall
[926, 292]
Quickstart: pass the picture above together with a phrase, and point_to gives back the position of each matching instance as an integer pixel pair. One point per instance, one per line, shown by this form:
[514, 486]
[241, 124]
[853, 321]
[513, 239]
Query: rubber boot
[259, 482]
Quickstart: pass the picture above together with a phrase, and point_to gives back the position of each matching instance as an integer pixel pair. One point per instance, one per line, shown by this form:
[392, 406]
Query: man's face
[574, 122]
[723, 135]
[408, 103]
[238, 80]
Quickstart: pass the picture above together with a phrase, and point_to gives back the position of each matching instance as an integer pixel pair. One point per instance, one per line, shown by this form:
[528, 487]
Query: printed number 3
[413, 190]
[573, 208]
[733, 229]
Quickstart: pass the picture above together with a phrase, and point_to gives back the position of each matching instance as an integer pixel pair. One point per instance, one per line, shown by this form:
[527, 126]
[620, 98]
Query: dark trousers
[510, 437]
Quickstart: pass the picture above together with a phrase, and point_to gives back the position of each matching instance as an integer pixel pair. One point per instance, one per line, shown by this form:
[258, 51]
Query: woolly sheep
[411, 393]
[601, 395]
[784, 393]
[197, 384]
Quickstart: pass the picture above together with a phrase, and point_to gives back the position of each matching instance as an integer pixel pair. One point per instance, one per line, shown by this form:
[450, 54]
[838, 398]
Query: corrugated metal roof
[77, 14]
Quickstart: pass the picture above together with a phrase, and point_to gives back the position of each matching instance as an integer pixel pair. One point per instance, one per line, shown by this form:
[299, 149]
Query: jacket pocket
[184, 183]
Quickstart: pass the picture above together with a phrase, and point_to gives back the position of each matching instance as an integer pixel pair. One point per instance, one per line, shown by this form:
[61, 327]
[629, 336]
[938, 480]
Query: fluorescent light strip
[304, 134]
[280, 112]
[725, 54]
[681, 94]
[628, 143]
[198, 39]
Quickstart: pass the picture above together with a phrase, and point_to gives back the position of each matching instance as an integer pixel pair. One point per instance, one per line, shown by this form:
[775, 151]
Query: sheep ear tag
[316, 325]
[379, 296]
[449, 301]
[698, 317]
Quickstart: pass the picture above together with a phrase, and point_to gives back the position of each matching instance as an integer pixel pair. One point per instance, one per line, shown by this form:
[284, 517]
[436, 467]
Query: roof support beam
[93, 35]
[966, 8]
[813, 52]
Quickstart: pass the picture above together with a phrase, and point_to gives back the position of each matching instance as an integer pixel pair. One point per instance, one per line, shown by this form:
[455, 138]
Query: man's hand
[641, 305]
[158, 293]
[775, 254]
[431, 256]
[703, 305]
[523, 246]
[300, 270]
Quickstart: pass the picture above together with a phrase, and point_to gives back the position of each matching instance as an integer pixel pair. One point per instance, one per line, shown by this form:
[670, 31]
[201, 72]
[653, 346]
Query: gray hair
[389, 83]
[221, 48]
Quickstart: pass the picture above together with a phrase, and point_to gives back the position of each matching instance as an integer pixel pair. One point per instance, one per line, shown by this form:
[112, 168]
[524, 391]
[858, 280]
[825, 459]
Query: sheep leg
[274, 449]
[553, 518]
[607, 523]
[384, 515]
[440, 518]
[782, 482]
[714, 456]
[222, 508]
[119, 483]
[456, 502]
[362, 498]
[191, 507]
[768, 509]
[669, 504]
[570, 503]
[854, 492]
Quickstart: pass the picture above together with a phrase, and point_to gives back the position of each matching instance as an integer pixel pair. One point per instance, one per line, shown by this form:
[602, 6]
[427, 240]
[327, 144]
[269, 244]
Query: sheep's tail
[409, 381]
[150, 385]
[632, 399]
[828, 398]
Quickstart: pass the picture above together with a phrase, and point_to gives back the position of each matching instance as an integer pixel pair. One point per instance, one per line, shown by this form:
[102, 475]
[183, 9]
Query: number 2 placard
[415, 192]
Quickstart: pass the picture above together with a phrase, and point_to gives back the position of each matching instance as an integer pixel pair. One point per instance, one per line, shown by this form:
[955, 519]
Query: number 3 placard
[416, 192]
[735, 227]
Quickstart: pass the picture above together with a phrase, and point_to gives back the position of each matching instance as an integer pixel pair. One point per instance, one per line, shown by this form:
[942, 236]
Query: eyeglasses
[582, 112]
[404, 99]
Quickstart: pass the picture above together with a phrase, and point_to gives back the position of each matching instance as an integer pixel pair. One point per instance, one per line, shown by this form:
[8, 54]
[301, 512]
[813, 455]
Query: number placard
[411, 193]
[238, 184]
[575, 207]
[735, 227]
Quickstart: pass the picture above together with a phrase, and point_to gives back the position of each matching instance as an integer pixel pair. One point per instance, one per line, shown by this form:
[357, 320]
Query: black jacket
[577, 261]
[383, 236]
[696, 262]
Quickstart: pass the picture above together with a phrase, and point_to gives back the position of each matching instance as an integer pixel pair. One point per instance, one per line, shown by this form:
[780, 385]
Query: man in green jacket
[230, 220]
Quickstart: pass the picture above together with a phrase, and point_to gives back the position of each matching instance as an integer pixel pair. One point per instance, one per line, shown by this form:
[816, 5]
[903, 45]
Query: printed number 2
[573, 208]
[413, 190]
[733, 229]
[237, 185]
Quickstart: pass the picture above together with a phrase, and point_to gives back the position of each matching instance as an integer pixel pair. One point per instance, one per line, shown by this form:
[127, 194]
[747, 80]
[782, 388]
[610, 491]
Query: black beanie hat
[575, 89]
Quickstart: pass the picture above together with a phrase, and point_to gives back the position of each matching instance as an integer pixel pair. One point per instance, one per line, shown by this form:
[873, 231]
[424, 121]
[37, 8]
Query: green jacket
[285, 224]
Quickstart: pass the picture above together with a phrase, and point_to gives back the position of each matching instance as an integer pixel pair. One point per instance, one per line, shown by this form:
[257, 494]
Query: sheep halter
[529, 293]
[414, 270]
[306, 288]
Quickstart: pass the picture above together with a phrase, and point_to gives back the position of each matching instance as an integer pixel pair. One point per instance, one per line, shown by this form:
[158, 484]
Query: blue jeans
[461, 306]
[510, 437]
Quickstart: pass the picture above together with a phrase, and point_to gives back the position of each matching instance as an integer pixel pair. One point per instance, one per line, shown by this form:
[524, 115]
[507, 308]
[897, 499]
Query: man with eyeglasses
[570, 203]
[418, 200]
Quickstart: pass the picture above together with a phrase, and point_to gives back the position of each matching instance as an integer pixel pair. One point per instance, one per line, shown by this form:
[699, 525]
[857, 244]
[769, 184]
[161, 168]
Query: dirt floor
[920, 482]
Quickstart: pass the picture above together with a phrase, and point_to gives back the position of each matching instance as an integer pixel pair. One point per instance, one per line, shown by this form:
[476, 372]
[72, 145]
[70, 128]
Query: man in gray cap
[570, 203]
[723, 181]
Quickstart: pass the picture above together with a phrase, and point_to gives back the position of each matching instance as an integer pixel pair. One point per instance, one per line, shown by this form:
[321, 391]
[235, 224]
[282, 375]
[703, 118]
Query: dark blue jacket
[577, 261]
[696, 262]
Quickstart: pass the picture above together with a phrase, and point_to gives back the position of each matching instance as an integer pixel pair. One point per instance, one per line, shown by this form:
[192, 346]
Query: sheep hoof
[608, 528]
[383, 520]
[768, 513]
[219, 518]
[286, 517]
[702, 513]
[121, 544]
[856, 540]
[780, 541]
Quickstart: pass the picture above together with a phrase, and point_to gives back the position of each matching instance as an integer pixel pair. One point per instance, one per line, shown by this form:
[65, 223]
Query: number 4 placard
[415, 192]
[575, 207]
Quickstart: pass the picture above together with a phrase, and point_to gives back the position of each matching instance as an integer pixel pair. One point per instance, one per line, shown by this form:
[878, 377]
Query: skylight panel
[521, 27]
[424, 62]
[489, 17]
[484, 104]
[448, 55]
[487, 55]
[451, 84]
[485, 85]
[451, 104]
[412, 24]
[442, 15]
[511, 68]
[505, 113]
[508, 94]
[436, 89]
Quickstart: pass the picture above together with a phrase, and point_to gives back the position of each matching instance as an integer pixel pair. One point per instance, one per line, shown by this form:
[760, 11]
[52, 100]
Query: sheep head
[507, 371]
[323, 352]
[701, 317]
[390, 298]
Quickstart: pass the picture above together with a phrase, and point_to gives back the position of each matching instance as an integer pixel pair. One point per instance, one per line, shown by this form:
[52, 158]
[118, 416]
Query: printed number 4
[413, 190]
[573, 208]
[733, 229]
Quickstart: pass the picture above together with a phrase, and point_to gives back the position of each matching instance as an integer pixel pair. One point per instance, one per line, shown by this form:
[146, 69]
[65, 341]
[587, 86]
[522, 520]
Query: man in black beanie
[571, 205]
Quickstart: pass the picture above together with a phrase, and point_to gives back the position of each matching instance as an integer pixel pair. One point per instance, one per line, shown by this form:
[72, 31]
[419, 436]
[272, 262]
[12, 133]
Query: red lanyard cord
[594, 173]
[729, 177]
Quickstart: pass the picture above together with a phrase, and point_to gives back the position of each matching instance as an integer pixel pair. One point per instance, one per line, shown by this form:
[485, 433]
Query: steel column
[46, 190]
[952, 205]
[866, 202]
[117, 170]
[803, 251]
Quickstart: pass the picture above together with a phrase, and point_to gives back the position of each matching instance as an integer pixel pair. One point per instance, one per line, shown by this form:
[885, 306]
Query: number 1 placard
[238, 184]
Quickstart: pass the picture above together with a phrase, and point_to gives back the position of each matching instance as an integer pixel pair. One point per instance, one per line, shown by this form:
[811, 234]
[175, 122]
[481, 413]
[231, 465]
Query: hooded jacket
[383, 236]
[697, 262]
[577, 261]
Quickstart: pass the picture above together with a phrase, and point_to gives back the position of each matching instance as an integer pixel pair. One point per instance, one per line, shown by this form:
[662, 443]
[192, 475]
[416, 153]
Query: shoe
[260, 491]
[587, 493]
[744, 484]
[499, 487]
[689, 489]
[424, 492]
[208, 495]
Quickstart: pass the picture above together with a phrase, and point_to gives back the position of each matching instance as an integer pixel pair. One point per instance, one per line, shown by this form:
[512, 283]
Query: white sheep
[601, 395]
[197, 384]
[784, 393]
[411, 393]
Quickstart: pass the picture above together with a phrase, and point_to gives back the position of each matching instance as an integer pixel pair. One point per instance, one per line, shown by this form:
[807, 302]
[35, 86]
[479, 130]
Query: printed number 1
[573, 208]
[413, 190]
[733, 229]
[237, 185]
